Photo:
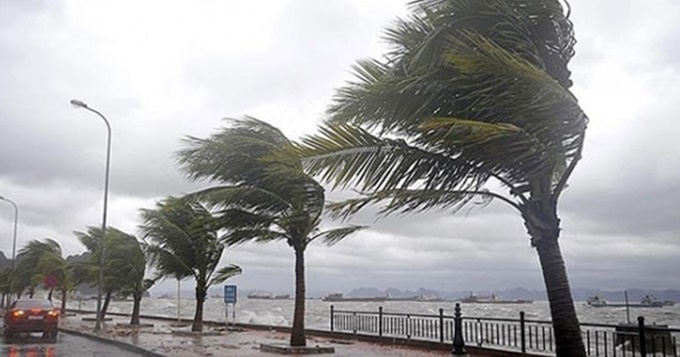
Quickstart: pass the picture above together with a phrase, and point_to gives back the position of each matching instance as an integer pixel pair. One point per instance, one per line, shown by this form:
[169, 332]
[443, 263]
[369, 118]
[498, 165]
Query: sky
[161, 70]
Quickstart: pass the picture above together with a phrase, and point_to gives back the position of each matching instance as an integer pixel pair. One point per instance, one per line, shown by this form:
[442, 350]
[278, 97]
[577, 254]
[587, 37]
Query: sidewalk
[164, 339]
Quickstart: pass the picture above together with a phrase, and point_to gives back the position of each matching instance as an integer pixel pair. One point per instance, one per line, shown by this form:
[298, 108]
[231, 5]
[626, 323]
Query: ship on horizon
[339, 297]
[647, 301]
[268, 296]
[493, 299]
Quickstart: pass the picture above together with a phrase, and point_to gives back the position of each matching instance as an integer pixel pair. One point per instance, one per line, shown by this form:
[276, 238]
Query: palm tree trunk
[134, 320]
[297, 336]
[105, 307]
[201, 292]
[568, 340]
[63, 301]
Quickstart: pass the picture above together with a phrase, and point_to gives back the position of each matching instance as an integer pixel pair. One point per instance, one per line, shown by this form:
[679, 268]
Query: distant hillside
[4, 262]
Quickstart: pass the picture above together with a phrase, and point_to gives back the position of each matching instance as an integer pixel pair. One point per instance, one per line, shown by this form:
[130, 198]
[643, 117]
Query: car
[32, 315]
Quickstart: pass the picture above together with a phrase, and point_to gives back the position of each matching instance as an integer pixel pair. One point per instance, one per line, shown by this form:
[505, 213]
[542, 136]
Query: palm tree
[121, 262]
[55, 266]
[5, 285]
[127, 257]
[183, 243]
[472, 96]
[261, 196]
[30, 272]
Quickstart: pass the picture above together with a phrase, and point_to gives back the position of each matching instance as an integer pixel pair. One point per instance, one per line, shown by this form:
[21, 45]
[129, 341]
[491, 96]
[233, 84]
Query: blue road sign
[230, 294]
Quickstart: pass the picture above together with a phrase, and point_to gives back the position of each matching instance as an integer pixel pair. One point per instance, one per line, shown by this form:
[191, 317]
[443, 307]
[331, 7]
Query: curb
[121, 344]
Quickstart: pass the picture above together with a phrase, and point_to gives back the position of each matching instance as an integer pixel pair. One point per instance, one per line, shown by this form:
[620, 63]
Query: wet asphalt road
[66, 345]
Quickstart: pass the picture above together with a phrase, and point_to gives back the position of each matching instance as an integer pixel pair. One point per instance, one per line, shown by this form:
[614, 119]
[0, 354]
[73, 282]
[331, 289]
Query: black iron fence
[524, 335]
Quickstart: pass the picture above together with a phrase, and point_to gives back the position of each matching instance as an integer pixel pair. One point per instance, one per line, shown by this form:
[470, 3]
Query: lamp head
[76, 103]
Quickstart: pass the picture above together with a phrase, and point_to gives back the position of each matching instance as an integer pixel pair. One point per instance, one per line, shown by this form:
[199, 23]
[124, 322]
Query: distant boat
[668, 303]
[268, 296]
[597, 301]
[493, 299]
[339, 297]
[647, 301]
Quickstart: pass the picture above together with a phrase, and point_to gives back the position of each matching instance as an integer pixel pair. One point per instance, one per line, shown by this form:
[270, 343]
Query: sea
[317, 312]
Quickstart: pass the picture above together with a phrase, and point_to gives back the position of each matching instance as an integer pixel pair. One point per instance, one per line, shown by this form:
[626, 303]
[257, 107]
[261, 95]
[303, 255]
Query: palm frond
[345, 155]
[333, 236]
[225, 273]
[414, 201]
[257, 235]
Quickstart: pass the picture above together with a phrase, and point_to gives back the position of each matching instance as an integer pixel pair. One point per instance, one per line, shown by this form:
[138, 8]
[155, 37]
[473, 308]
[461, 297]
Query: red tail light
[53, 313]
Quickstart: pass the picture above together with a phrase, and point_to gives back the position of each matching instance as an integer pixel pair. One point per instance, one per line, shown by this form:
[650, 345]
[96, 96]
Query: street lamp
[80, 104]
[16, 220]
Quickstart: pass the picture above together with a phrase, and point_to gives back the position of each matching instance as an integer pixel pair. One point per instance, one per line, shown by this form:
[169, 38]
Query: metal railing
[523, 335]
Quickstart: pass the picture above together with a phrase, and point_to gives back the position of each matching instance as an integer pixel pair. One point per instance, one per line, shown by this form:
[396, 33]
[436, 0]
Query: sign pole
[229, 298]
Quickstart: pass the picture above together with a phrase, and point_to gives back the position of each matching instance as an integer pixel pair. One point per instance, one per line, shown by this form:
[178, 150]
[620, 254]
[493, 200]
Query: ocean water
[280, 312]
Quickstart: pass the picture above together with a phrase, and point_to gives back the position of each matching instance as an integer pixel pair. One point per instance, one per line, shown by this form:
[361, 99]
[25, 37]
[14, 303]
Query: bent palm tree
[472, 96]
[183, 243]
[127, 257]
[261, 196]
[121, 263]
[55, 266]
[29, 268]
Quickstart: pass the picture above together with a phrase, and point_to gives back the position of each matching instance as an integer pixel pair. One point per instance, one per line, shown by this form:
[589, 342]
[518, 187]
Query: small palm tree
[54, 266]
[5, 285]
[121, 262]
[127, 257]
[30, 273]
[182, 242]
[261, 195]
[473, 96]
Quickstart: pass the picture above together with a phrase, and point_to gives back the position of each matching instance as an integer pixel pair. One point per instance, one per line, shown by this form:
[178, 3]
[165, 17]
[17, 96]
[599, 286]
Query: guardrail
[522, 335]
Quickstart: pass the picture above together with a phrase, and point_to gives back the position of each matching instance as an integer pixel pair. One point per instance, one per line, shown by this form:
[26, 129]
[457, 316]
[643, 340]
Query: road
[66, 345]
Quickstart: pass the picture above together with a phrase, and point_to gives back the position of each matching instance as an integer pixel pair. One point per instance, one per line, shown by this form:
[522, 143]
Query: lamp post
[80, 104]
[16, 220]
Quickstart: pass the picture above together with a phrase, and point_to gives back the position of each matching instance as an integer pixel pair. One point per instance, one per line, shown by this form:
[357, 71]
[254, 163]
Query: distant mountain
[4, 262]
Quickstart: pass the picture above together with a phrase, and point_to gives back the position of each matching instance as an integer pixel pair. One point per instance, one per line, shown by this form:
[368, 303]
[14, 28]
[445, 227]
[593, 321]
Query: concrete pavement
[165, 339]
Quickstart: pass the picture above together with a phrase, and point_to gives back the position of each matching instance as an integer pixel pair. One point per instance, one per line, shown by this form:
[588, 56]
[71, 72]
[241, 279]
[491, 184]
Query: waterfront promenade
[165, 339]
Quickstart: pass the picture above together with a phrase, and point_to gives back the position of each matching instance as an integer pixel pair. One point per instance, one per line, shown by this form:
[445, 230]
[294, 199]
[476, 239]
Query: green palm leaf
[225, 273]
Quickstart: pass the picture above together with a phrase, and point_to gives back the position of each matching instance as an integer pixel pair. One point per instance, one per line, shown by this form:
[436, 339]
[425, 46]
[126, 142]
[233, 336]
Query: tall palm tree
[261, 195]
[472, 96]
[182, 242]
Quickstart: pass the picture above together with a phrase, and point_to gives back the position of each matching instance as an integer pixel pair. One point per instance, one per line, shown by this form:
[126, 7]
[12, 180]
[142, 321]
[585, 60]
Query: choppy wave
[317, 314]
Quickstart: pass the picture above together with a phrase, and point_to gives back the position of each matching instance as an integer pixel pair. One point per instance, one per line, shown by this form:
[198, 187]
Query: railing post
[380, 321]
[641, 332]
[332, 320]
[458, 342]
[522, 334]
[441, 325]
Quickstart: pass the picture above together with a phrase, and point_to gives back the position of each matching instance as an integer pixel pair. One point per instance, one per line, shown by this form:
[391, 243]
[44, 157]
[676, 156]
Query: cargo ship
[493, 299]
[647, 301]
[268, 296]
